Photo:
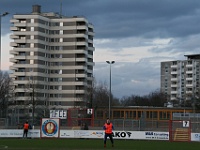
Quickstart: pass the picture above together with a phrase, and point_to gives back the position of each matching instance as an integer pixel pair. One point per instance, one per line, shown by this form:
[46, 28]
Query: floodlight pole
[1, 15]
[110, 63]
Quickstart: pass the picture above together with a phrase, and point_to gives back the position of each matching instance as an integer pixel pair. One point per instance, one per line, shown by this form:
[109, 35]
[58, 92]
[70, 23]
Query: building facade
[180, 79]
[52, 60]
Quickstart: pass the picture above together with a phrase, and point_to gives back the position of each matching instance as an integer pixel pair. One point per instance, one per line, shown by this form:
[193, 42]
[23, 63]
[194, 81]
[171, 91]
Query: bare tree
[5, 81]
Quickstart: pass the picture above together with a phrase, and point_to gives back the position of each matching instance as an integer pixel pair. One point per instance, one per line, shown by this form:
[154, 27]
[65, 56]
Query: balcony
[14, 36]
[174, 72]
[14, 20]
[174, 92]
[20, 41]
[14, 52]
[174, 85]
[189, 65]
[13, 60]
[188, 92]
[13, 44]
[174, 79]
[13, 28]
[174, 66]
[189, 72]
[189, 79]
[21, 24]
[189, 85]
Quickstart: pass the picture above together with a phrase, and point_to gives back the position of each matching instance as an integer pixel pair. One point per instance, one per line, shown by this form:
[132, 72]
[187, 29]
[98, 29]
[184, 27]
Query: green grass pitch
[93, 144]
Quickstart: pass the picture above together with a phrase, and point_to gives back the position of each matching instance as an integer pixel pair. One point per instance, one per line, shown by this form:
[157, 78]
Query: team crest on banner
[50, 127]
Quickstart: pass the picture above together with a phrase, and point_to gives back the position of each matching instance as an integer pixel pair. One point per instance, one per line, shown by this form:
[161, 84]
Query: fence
[124, 124]
[135, 125]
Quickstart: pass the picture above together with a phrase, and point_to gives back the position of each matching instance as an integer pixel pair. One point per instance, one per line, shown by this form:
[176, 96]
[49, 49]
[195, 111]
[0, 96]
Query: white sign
[186, 123]
[61, 114]
[89, 111]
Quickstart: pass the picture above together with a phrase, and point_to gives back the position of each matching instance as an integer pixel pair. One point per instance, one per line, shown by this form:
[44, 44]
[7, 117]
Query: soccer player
[26, 127]
[108, 127]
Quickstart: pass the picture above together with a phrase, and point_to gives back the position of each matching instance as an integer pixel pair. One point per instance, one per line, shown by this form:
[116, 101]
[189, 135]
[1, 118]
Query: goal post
[180, 130]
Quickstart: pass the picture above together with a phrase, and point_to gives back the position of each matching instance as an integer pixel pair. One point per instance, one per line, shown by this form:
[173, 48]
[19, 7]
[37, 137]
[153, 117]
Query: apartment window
[32, 28]
[21, 70]
[22, 37]
[32, 20]
[22, 53]
[31, 53]
[60, 47]
[23, 29]
[47, 31]
[22, 62]
[21, 78]
[22, 21]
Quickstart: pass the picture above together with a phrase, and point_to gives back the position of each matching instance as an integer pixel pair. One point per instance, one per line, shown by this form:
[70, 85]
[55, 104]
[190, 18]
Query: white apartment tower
[180, 79]
[52, 60]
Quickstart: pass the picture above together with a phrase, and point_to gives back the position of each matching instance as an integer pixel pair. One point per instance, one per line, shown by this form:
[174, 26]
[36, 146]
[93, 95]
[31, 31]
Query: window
[32, 28]
[60, 47]
[31, 53]
[32, 20]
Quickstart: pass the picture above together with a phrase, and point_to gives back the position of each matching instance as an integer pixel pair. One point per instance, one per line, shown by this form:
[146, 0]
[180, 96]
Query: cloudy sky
[137, 34]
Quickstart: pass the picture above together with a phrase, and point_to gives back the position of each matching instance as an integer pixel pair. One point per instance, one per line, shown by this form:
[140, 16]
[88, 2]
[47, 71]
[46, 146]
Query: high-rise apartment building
[52, 60]
[180, 79]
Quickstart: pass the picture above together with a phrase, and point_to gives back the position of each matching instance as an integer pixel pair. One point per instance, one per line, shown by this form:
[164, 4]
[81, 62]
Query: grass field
[92, 144]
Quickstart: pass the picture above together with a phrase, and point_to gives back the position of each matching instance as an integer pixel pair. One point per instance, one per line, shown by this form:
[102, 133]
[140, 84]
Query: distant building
[52, 60]
[180, 79]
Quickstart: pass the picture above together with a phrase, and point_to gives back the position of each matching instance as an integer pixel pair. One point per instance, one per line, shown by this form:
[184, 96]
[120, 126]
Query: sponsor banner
[96, 134]
[88, 134]
[150, 135]
[66, 133]
[195, 137]
[50, 128]
[116, 134]
[19, 133]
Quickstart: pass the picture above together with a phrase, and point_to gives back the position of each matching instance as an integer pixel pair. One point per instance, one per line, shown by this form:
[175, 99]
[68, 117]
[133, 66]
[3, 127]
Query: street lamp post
[1, 15]
[110, 63]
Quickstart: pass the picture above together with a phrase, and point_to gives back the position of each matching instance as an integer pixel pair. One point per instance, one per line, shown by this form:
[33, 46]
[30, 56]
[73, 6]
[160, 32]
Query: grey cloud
[130, 18]
[189, 45]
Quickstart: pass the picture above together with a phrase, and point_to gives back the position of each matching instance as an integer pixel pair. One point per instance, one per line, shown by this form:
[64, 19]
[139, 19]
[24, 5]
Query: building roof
[193, 56]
